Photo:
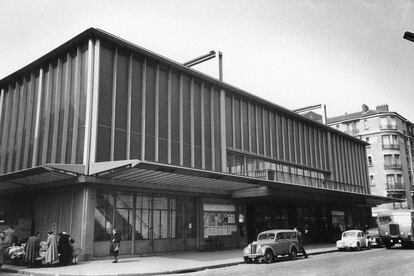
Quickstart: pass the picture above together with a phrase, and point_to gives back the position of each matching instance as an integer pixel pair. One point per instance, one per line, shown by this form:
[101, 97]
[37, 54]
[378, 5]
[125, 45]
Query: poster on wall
[219, 220]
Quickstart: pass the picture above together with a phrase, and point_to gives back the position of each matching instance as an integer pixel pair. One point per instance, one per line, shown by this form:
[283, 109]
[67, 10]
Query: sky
[294, 53]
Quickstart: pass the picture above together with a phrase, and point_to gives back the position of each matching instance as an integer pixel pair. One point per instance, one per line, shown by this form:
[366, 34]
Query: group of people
[7, 238]
[57, 250]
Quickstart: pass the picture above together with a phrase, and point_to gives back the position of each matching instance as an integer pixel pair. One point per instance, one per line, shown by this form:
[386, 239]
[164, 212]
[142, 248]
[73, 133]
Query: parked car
[272, 243]
[373, 237]
[353, 239]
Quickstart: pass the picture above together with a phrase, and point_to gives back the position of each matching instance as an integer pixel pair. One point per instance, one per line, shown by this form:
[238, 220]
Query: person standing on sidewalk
[115, 242]
[300, 240]
[32, 249]
[52, 252]
[2, 237]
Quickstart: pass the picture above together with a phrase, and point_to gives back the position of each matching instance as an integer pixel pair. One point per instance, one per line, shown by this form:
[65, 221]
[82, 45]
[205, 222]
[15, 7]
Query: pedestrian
[64, 249]
[51, 257]
[2, 236]
[32, 250]
[11, 234]
[300, 240]
[74, 251]
[5, 247]
[115, 241]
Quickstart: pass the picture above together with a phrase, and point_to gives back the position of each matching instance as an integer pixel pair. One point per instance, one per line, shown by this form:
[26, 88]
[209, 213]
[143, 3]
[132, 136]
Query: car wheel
[268, 257]
[388, 245]
[247, 260]
[293, 253]
[358, 247]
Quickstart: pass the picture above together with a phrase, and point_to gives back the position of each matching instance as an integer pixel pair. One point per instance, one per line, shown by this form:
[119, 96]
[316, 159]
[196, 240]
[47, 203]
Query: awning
[34, 177]
[169, 177]
[156, 176]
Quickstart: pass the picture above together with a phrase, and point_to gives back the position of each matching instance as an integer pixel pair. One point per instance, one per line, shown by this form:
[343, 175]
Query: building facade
[389, 153]
[100, 133]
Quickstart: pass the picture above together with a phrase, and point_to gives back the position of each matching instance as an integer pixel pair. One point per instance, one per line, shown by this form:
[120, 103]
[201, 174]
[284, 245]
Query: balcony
[391, 146]
[393, 166]
[395, 187]
[299, 179]
[388, 126]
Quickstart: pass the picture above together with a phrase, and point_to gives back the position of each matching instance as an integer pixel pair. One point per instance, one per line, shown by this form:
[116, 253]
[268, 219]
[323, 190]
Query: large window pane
[104, 215]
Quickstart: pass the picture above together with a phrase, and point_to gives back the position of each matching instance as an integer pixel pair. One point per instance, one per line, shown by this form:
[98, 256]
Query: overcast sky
[294, 53]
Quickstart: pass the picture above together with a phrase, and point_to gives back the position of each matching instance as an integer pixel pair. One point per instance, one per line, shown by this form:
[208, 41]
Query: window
[367, 139]
[371, 180]
[384, 219]
[370, 161]
[397, 159]
[390, 179]
[387, 159]
[388, 122]
[280, 236]
[366, 124]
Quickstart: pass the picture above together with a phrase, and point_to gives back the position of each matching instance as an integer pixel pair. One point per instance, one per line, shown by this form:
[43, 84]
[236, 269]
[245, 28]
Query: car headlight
[402, 233]
[386, 233]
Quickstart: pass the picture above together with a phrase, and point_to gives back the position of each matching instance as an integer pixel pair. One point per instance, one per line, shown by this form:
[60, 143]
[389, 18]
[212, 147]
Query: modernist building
[100, 133]
[389, 153]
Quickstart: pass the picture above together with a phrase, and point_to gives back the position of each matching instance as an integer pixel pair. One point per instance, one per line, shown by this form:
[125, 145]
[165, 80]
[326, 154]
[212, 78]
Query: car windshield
[384, 219]
[266, 236]
[349, 234]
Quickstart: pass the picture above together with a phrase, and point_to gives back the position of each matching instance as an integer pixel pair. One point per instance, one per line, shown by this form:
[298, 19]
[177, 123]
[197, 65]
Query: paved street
[396, 261]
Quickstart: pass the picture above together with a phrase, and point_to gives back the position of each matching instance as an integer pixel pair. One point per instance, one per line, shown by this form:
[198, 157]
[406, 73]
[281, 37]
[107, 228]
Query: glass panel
[229, 122]
[187, 122]
[142, 219]
[136, 109]
[150, 114]
[104, 215]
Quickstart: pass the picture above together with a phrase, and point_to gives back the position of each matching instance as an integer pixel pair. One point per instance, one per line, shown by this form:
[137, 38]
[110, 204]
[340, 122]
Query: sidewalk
[154, 265]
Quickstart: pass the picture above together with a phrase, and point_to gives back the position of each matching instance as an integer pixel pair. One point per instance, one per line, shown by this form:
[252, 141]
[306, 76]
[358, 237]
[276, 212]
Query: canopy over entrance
[147, 175]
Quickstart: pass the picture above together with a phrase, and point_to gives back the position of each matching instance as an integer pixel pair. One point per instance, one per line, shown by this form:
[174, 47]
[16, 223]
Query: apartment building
[389, 153]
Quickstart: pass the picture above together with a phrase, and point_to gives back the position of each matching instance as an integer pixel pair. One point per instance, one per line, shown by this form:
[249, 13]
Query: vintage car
[353, 239]
[272, 243]
[373, 237]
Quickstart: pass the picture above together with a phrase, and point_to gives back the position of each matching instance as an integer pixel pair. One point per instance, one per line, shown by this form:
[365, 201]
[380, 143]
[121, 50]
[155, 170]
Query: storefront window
[160, 218]
[124, 215]
[142, 219]
[104, 216]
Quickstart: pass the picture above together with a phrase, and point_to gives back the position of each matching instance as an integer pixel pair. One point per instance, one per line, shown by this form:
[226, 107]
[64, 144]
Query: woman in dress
[52, 252]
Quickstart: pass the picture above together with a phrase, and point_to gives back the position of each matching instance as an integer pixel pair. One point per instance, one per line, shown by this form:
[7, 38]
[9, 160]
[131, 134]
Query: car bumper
[253, 256]
[375, 241]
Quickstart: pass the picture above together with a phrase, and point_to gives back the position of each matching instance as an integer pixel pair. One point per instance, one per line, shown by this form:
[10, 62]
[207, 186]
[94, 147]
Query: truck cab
[396, 227]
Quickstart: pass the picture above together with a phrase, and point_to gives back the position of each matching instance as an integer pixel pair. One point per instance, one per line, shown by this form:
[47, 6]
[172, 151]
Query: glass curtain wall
[155, 217]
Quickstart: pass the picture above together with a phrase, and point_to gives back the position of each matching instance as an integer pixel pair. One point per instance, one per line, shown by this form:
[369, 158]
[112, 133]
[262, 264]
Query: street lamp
[409, 36]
